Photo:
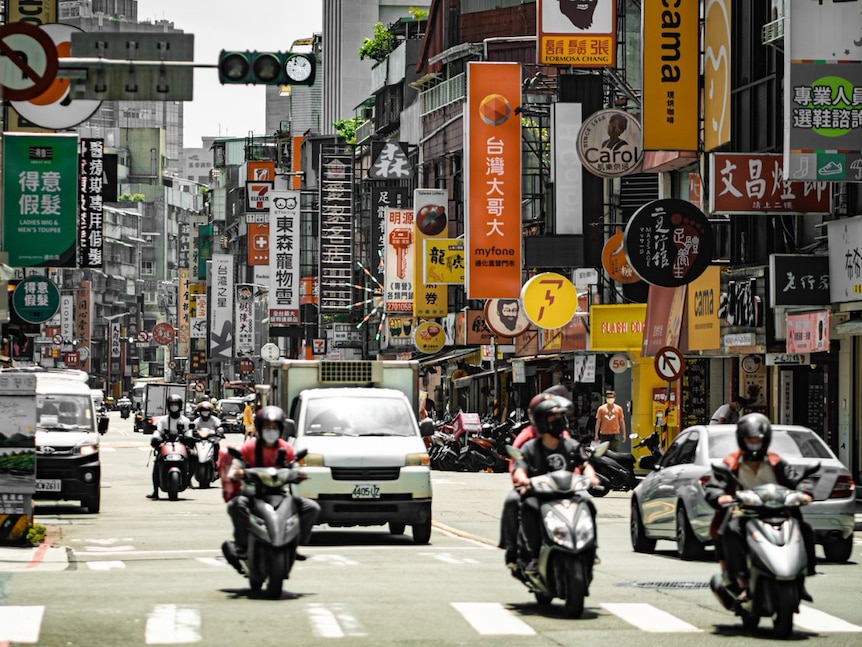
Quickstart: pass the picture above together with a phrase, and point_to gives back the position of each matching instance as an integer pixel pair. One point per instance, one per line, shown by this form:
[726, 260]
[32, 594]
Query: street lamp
[110, 319]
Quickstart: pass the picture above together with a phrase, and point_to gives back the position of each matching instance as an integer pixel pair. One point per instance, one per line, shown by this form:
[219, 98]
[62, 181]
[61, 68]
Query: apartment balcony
[448, 92]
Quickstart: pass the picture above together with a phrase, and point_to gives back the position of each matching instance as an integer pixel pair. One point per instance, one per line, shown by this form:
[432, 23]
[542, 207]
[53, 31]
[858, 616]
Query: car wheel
[640, 542]
[396, 528]
[422, 532]
[93, 503]
[838, 550]
[687, 544]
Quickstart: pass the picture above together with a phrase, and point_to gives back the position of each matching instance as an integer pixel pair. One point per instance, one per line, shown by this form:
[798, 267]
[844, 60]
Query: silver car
[670, 504]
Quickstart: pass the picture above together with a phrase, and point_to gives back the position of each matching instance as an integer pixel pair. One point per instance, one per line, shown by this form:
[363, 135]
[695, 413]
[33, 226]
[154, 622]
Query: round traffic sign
[200, 387]
[142, 337]
[669, 363]
[36, 299]
[163, 333]
[28, 61]
[269, 352]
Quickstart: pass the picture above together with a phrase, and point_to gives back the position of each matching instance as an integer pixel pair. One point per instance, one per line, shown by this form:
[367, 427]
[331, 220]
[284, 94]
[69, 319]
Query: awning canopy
[463, 382]
[433, 360]
[851, 327]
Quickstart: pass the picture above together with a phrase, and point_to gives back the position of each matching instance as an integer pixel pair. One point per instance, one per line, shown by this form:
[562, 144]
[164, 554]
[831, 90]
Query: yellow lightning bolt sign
[550, 300]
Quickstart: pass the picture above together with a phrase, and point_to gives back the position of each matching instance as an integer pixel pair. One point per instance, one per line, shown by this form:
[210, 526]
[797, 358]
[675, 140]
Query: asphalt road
[150, 572]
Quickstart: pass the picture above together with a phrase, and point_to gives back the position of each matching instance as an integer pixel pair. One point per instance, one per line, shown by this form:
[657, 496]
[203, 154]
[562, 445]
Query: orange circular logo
[429, 337]
[615, 261]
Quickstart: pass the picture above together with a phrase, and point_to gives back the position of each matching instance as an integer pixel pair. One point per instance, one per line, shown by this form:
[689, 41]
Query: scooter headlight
[558, 530]
[585, 529]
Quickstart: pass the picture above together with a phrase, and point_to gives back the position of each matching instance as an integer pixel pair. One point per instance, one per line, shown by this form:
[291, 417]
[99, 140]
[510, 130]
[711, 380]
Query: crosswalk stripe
[20, 624]
[648, 618]
[213, 561]
[105, 565]
[491, 619]
[816, 620]
[169, 624]
[333, 621]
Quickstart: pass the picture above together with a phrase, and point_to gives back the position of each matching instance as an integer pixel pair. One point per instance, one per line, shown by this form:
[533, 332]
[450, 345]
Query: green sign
[40, 199]
[36, 299]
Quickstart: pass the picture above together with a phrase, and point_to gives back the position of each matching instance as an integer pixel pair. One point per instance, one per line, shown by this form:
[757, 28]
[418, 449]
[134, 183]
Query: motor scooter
[172, 457]
[568, 551]
[206, 455]
[776, 556]
[103, 420]
[615, 471]
[273, 530]
[653, 444]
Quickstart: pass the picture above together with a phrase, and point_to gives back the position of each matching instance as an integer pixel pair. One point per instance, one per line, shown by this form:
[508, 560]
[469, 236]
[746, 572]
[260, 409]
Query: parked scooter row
[467, 444]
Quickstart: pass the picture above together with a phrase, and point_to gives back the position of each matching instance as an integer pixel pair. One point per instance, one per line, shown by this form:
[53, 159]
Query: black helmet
[547, 413]
[753, 435]
[269, 414]
[175, 400]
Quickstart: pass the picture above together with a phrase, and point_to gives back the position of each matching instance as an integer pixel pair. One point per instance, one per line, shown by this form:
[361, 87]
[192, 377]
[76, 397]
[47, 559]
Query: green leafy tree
[378, 47]
[346, 128]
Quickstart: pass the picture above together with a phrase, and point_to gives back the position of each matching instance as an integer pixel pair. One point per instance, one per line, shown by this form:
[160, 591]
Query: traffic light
[266, 68]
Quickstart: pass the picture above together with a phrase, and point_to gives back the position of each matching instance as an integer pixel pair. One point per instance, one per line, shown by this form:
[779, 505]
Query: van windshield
[65, 412]
[356, 416]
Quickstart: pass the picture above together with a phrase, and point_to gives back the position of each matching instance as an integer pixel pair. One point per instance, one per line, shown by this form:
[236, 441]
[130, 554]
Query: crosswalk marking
[338, 560]
[648, 618]
[105, 565]
[491, 619]
[170, 624]
[20, 624]
[213, 561]
[815, 620]
[333, 621]
[447, 558]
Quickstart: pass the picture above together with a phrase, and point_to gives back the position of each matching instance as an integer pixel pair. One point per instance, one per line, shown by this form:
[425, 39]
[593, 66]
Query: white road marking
[169, 624]
[815, 620]
[20, 624]
[213, 561]
[492, 619]
[338, 560]
[333, 621]
[448, 559]
[105, 565]
[106, 549]
[648, 618]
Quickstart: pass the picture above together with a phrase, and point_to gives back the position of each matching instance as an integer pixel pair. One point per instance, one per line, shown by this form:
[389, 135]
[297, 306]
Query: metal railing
[441, 95]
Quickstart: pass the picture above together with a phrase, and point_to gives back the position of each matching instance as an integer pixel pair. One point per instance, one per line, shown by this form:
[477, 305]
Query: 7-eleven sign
[258, 195]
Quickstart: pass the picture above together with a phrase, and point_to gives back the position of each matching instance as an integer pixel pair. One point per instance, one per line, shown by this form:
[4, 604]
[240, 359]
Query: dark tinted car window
[672, 455]
[688, 450]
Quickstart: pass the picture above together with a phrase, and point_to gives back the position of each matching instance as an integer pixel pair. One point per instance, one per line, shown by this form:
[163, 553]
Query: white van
[67, 439]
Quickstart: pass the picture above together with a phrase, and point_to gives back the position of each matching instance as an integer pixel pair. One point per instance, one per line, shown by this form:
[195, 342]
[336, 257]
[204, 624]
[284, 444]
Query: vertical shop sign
[83, 319]
[431, 222]
[383, 197]
[40, 199]
[245, 327]
[284, 258]
[716, 74]
[336, 230]
[90, 226]
[493, 199]
[400, 243]
[222, 290]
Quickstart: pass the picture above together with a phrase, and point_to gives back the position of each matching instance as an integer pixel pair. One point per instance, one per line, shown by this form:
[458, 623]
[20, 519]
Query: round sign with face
[429, 337]
[506, 317]
[609, 143]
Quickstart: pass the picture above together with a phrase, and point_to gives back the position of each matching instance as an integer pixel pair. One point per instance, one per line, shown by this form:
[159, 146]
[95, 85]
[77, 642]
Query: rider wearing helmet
[262, 451]
[753, 465]
[549, 452]
[173, 425]
[206, 418]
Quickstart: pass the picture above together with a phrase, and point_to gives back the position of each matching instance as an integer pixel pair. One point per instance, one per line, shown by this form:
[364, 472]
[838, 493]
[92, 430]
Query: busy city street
[148, 572]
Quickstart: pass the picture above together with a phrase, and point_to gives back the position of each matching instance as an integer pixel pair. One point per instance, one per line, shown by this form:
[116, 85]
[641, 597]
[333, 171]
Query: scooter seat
[624, 459]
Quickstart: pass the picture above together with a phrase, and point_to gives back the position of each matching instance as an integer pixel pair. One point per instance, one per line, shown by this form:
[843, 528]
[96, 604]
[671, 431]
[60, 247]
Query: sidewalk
[45, 557]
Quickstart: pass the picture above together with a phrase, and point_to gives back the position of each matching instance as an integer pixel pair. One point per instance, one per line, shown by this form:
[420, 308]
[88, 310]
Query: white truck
[155, 403]
[367, 461]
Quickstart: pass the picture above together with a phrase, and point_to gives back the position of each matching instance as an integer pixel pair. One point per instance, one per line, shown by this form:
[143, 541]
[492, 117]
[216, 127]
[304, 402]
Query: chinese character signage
[336, 230]
[808, 332]
[91, 163]
[284, 259]
[740, 183]
[383, 197]
[716, 74]
[83, 318]
[493, 179]
[40, 199]
[609, 144]
[845, 259]
[798, 280]
[390, 161]
[444, 261]
[399, 275]
[670, 75]
[244, 321]
[221, 308]
[431, 223]
[580, 33]
[669, 242]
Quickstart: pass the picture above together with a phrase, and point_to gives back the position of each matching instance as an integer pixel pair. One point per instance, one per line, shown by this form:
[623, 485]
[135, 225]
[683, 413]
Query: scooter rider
[262, 451]
[509, 518]
[753, 465]
[173, 425]
[206, 419]
[547, 453]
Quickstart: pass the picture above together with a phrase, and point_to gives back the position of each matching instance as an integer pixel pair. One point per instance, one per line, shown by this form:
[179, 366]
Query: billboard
[284, 259]
[579, 33]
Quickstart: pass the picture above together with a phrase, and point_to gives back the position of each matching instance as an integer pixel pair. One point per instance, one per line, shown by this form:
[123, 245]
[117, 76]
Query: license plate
[48, 485]
[366, 491]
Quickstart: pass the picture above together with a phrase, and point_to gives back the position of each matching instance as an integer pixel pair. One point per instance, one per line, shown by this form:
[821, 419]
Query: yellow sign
[550, 300]
[444, 261]
[430, 299]
[617, 327]
[429, 337]
[704, 326]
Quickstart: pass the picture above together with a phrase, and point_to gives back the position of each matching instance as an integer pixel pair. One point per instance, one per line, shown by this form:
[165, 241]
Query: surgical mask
[270, 436]
[610, 400]
[205, 414]
[174, 409]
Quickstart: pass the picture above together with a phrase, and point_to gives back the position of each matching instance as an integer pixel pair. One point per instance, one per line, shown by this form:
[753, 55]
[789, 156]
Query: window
[147, 268]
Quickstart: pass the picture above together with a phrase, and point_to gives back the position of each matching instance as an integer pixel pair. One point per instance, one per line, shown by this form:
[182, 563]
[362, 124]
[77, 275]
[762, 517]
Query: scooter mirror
[601, 448]
[514, 452]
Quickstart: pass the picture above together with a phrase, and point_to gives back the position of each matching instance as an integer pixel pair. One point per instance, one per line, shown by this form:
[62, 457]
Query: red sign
[258, 243]
[246, 366]
[808, 332]
[71, 360]
[163, 333]
[754, 184]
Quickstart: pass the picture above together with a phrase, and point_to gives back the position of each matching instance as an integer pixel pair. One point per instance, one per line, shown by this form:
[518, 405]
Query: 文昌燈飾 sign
[40, 199]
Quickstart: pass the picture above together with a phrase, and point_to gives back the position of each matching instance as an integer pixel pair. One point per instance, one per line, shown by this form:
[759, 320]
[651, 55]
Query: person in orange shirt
[611, 422]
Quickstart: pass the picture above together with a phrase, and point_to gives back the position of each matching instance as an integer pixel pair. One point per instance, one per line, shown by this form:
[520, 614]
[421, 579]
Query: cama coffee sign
[609, 143]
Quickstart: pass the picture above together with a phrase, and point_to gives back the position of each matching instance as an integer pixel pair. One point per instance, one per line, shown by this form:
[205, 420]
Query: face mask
[557, 427]
[270, 436]
[611, 400]
[205, 414]
[174, 409]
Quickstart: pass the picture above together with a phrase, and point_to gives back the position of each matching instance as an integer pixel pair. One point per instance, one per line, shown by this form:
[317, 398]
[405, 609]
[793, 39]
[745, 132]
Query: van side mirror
[289, 428]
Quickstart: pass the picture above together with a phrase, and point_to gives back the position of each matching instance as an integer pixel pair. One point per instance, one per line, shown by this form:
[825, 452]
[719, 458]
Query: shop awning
[433, 360]
[852, 327]
[463, 382]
